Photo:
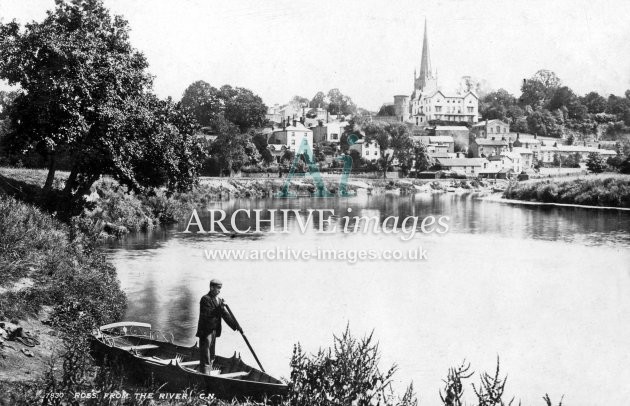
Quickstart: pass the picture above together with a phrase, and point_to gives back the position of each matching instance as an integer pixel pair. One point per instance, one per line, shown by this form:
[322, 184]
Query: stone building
[428, 102]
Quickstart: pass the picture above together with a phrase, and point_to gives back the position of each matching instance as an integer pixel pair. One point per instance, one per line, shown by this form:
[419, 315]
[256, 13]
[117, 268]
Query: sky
[369, 49]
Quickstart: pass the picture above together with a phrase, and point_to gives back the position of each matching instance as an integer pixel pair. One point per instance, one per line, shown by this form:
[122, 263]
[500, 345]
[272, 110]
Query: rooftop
[462, 161]
[486, 141]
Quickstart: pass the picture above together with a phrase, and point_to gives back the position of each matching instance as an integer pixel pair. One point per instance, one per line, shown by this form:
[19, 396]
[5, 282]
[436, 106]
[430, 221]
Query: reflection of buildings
[428, 102]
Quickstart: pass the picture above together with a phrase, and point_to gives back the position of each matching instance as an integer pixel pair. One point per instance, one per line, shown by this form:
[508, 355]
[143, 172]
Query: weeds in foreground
[345, 374]
[491, 389]
[453, 386]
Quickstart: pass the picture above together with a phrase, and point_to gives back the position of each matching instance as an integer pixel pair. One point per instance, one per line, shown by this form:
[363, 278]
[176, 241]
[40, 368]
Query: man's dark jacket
[211, 311]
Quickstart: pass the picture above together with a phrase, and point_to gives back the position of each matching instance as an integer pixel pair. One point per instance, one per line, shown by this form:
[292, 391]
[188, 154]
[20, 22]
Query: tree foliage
[387, 110]
[334, 101]
[394, 141]
[595, 163]
[238, 105]
[85, 92]
[539, 89]
[232, 148]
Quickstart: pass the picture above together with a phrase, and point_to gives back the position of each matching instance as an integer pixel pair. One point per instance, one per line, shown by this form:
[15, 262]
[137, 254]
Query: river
[545, 288]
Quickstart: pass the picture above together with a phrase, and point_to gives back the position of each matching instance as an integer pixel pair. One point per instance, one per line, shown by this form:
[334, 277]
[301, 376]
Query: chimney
[487, 128]
[294, 122]
[510, 145]
[302, 119]
[518, 136]
[535, 136]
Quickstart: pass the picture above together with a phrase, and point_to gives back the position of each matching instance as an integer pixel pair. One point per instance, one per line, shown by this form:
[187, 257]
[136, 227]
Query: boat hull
[239, 380]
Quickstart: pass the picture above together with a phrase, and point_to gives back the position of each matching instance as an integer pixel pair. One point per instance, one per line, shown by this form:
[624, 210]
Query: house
[484, 147]
[490, 128]
[526, 141]
[515, 161]
[547, 152]
[334, 130]
[469, 166]
[370, 151]
[527, 156]
[292, 136]
[460, 135]
[437, 143]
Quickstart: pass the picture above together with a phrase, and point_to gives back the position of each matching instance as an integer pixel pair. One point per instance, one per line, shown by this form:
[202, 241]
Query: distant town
[504, 142]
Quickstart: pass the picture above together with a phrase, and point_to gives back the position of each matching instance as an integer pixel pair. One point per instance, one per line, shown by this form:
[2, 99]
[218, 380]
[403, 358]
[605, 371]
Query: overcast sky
[369, 49]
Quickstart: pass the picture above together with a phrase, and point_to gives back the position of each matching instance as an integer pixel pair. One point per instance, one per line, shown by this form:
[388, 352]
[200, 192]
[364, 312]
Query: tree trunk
[71, 181]
[51, 172]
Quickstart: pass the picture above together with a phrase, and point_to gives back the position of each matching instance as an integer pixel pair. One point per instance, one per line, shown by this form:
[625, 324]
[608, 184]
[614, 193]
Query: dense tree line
[547, 107]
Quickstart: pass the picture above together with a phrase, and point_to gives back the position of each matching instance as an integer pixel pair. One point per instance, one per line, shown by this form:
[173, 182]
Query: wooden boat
[152, 354]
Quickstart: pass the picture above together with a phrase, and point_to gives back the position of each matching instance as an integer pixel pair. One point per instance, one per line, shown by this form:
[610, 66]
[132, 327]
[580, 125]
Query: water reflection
[544, 287]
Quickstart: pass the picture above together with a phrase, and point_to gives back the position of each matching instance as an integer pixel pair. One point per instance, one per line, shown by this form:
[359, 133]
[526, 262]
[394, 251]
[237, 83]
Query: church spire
[425, 61]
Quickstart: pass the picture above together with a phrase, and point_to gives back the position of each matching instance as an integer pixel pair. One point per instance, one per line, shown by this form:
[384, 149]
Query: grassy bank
[112, 210]
[57, 285]
[595, 190]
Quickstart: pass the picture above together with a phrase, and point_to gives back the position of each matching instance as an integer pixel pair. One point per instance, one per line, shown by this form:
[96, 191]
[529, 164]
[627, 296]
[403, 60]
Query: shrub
[346, 374]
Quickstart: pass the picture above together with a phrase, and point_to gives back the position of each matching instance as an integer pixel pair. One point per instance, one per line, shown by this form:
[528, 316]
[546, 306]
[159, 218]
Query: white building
[292, 136]
[427, 102]
[547, 152]
[334, 130]
[370, 151]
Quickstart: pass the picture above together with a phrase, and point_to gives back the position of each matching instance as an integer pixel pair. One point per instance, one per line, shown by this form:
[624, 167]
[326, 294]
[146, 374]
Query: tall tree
[594, 103]
[319, 100]
[394, 141]
[495, 105]
[203, 101]
[242, 107]
[422, 160]
[539, 89]
[340, 103]
[85, 91]
[231, 146]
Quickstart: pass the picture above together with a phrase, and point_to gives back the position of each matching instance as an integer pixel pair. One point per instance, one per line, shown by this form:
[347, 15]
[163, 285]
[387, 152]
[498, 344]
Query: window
[292, 142]
[470, 109]
[498, 129]
[375, 153]
[438, 109]
[367, 153]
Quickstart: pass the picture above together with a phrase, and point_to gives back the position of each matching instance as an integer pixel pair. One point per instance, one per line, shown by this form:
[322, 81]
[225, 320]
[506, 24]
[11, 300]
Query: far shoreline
[498, 198]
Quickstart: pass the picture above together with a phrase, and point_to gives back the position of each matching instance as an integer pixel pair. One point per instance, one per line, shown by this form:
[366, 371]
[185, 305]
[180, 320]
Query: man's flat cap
[216, 282]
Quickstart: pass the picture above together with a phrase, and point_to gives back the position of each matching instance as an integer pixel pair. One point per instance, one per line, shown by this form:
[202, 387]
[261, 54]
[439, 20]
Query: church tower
[426, 81]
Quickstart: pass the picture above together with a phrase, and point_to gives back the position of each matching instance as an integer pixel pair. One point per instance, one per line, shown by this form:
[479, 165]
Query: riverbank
[56, 286]
[591, 191]
[113, 211]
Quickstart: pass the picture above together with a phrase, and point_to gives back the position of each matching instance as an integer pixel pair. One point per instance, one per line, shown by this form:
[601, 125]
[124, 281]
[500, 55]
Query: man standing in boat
[211, 311]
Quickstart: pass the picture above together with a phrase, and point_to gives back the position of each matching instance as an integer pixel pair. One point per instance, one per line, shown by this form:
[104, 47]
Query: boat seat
[189, 363]
[139, 347]
[233, 374]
